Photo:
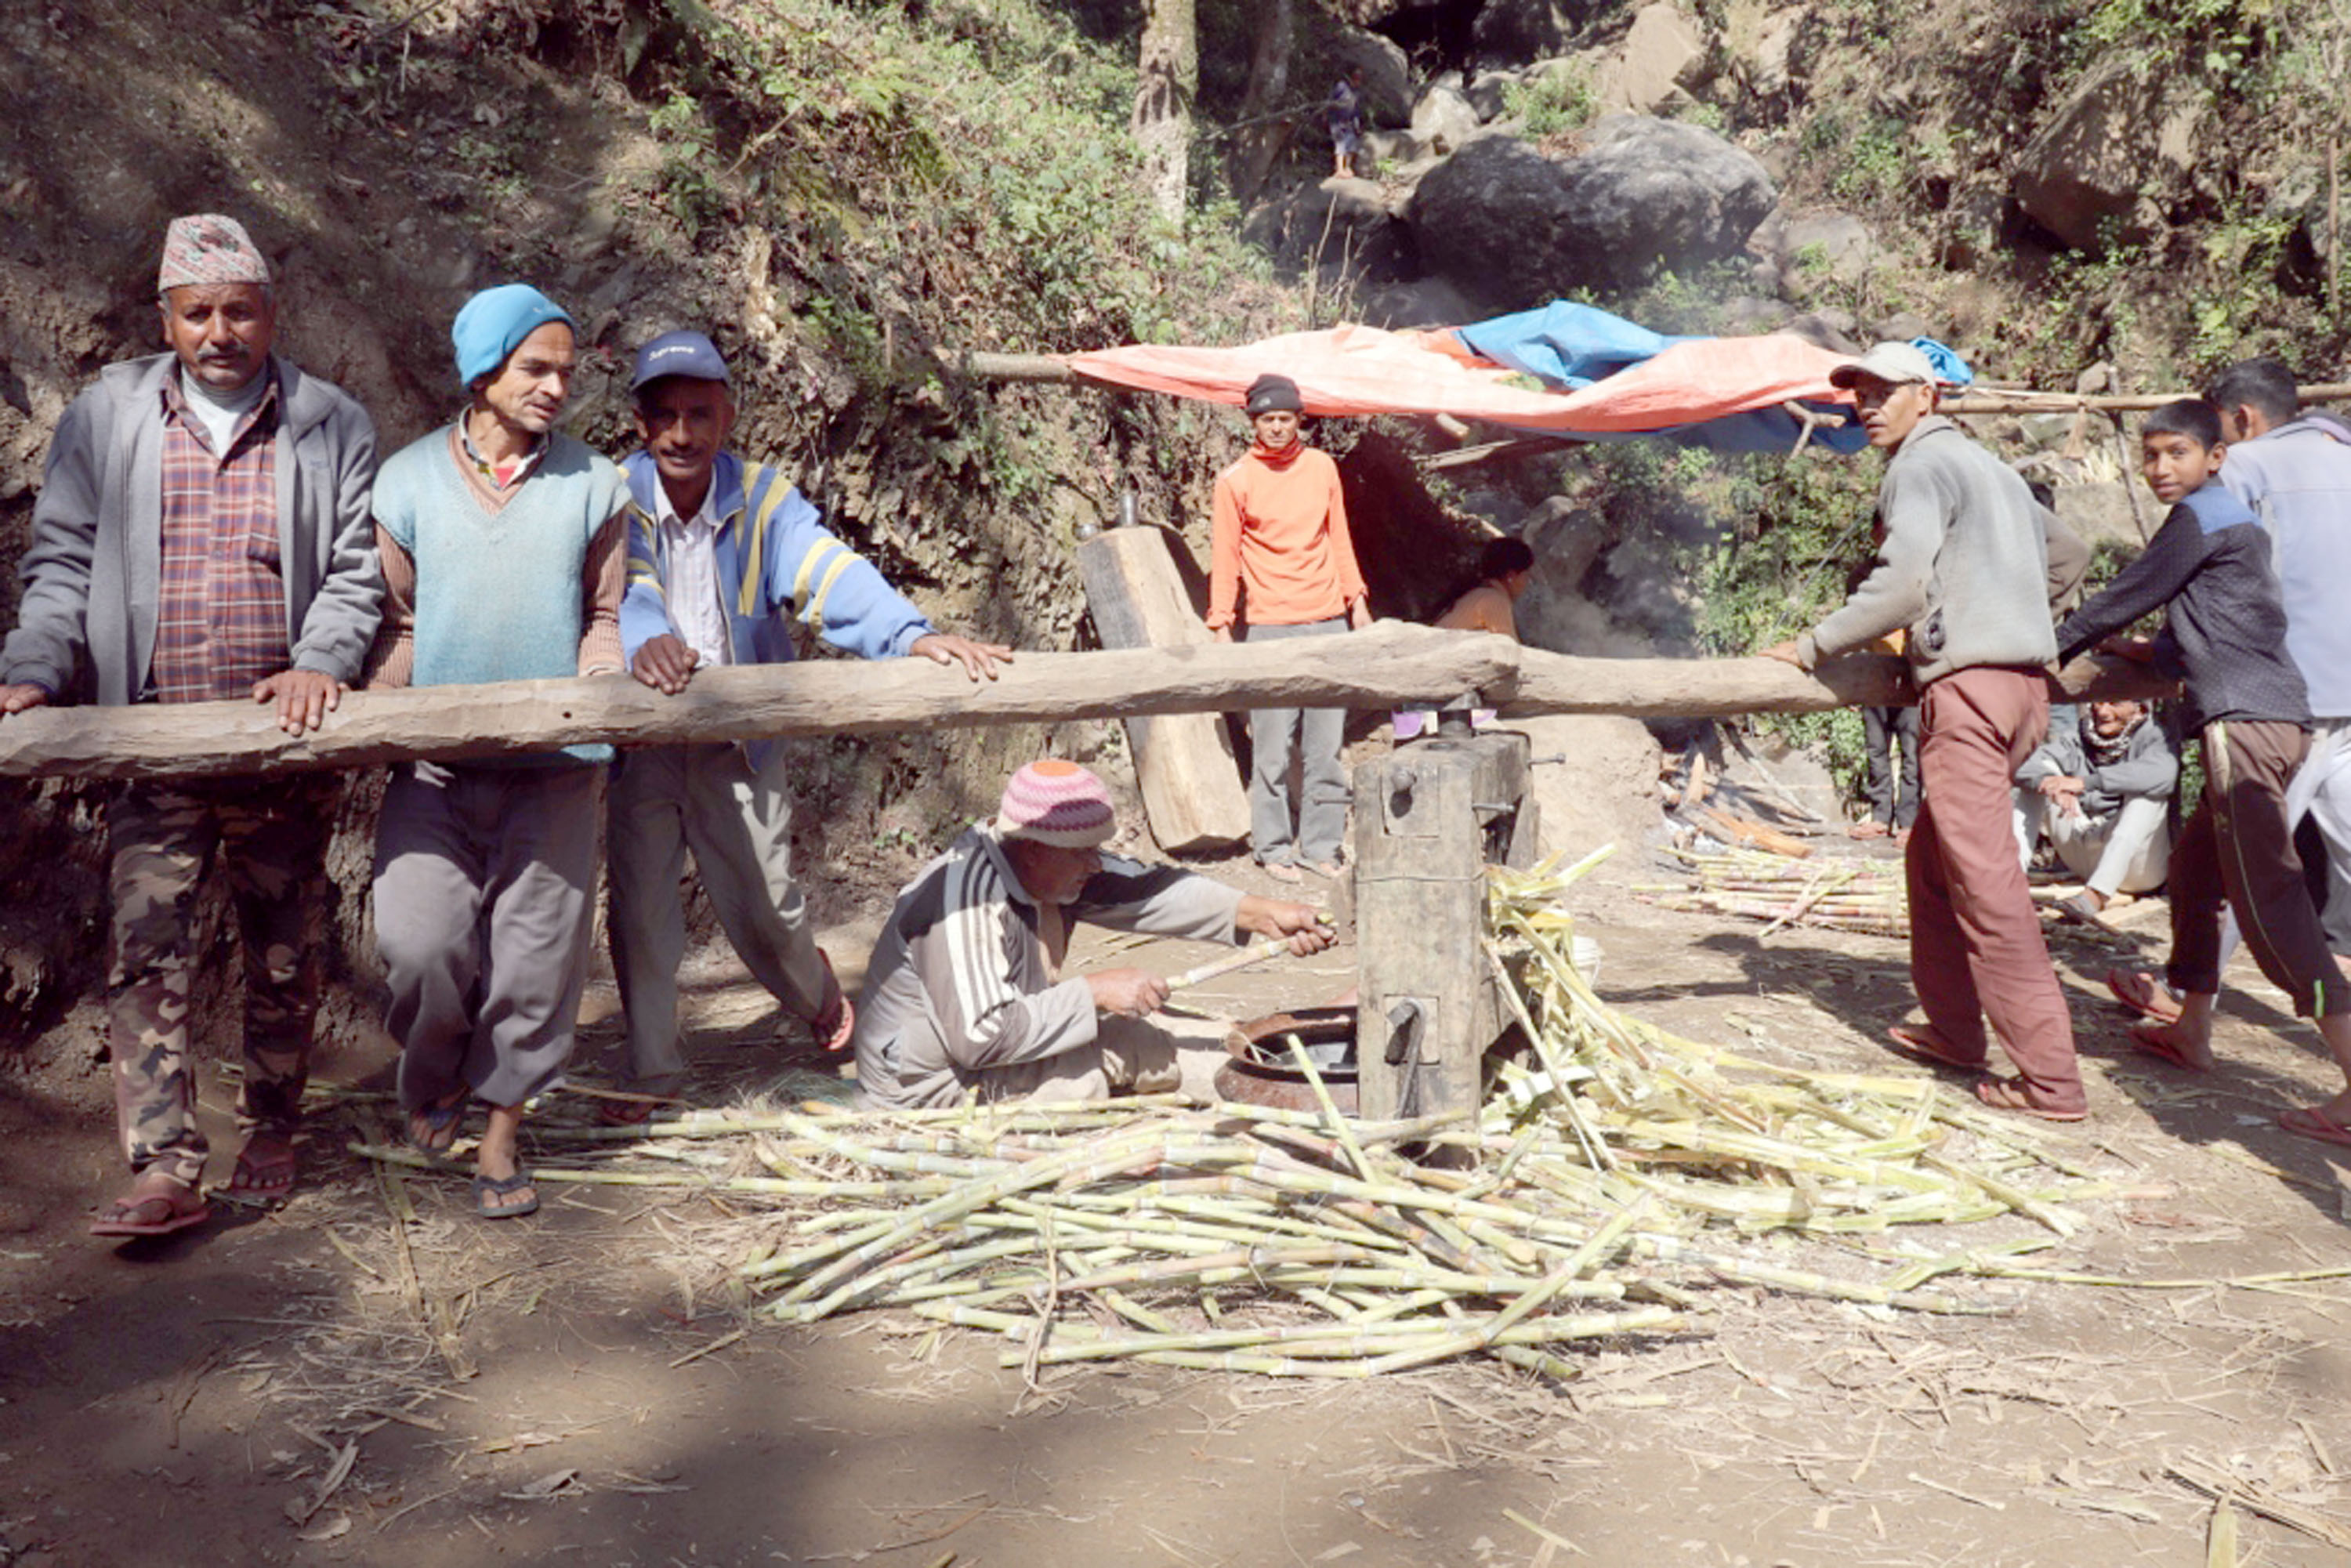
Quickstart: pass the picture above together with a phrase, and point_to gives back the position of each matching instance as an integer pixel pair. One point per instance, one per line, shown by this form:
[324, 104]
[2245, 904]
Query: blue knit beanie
[494, 321]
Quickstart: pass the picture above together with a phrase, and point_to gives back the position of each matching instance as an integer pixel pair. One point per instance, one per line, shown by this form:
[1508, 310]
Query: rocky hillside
[851, 195]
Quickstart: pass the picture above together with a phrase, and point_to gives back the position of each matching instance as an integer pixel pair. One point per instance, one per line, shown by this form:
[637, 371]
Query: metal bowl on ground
[1262, 1071]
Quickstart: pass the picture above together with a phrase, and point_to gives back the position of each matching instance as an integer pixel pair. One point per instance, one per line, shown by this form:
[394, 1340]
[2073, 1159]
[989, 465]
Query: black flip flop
[486, 1187]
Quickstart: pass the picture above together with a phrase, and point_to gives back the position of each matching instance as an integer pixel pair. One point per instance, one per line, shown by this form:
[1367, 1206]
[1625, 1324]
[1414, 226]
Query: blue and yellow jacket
[776, 565]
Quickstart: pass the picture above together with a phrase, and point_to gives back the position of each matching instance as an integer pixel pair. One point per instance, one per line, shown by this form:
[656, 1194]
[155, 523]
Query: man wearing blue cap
[505, 548]
[725, 557]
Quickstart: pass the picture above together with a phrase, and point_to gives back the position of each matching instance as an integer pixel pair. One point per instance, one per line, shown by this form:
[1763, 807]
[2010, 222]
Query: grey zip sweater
[86, 625]
[1966, 568]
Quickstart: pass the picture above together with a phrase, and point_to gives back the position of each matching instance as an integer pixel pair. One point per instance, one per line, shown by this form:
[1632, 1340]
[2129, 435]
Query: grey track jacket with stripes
[960, 983]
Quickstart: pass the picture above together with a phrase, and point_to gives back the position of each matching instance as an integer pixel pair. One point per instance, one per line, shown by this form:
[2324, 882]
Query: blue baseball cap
[678, 355]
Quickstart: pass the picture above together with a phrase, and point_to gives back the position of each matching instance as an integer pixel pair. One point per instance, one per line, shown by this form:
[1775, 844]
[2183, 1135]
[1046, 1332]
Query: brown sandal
[2006, 1094]
[1925, 1045]
[2144, 994]
[156, 1206]
[265, 1168]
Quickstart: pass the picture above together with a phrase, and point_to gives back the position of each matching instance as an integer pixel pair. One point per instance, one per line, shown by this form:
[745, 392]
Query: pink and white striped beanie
[1058, 803]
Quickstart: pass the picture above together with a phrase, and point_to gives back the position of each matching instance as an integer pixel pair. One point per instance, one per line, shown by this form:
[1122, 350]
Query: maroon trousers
[2239, 847]
[1976, 948]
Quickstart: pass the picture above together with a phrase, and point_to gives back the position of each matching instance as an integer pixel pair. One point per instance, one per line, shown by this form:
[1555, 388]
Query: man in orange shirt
[1282, 557]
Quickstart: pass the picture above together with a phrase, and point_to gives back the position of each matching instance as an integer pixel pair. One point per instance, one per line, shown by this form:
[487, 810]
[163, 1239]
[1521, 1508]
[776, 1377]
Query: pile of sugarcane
[1841, 894]
[1618, 1175]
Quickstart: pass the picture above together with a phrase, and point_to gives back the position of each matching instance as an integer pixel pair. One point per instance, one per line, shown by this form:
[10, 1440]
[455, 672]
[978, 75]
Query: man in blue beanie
[726, 558]
[504, 549]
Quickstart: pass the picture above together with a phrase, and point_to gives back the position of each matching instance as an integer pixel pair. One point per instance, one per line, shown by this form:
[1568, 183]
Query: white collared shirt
[692, 547]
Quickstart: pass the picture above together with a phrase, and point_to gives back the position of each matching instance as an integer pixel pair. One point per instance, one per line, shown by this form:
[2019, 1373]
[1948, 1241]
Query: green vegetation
[1769, 542]
[1559, 99]
[977, 157]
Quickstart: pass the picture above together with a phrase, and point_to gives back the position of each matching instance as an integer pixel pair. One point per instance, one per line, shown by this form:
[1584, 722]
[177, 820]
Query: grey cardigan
[85, 627]
[1969, 565]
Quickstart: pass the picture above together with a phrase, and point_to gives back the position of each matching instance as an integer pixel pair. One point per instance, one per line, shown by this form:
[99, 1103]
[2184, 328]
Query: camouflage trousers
[270, 839]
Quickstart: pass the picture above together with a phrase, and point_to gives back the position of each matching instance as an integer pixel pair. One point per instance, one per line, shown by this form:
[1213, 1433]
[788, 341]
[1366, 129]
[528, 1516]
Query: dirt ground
[184, 1401]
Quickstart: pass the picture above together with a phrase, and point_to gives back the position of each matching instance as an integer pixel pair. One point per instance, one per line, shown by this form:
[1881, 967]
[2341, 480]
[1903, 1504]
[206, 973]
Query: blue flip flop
[441, 1121]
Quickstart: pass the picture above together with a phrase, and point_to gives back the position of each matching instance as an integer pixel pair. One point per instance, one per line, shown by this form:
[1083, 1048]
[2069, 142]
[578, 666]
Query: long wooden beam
[1392, 665]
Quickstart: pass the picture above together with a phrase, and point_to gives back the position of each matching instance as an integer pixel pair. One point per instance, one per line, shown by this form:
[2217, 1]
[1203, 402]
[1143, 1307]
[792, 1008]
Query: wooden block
[1191, 781]
[1745, 830]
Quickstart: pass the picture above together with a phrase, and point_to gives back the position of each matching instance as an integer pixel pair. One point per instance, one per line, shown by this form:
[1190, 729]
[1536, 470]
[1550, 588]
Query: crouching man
[2099, 787]
[961, 1002]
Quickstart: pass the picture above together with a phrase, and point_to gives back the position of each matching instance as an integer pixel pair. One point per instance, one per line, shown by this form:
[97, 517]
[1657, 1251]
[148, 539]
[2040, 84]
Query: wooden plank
[1391, 665]
[1183, 763]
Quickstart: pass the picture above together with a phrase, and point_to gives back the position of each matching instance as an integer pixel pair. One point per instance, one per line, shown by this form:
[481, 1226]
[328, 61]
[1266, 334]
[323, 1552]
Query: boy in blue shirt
[724, 556]
[2224, 637]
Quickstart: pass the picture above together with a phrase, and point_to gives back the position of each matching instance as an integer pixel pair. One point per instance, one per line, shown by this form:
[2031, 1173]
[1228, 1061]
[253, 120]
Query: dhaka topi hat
[1273, 394]
[1058, 803]
[1895, 364]
[206, 247]
[678, 355]
[495, 322]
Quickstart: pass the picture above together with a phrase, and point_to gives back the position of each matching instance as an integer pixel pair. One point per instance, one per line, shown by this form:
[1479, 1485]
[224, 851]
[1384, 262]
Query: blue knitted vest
[498, 595]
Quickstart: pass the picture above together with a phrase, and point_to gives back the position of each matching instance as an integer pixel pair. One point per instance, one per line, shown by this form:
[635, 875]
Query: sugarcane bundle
[1617, 1178]
[1842, 894]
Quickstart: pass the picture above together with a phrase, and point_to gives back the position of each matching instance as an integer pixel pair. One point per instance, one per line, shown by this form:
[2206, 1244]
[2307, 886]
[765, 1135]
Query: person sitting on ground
[1505, 569]
[1505, 566]
[2098, 788]
[201, 534]
[505, 548]
[961, 1001]
[2224, 636]
[1345, 119]
[726, 557]
[1280, 560]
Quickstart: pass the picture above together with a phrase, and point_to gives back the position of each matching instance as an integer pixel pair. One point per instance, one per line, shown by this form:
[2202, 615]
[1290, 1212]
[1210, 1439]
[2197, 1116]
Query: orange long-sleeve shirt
[1279, 543]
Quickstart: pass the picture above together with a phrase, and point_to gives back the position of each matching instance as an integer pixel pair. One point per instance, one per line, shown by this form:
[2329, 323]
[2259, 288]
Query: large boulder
[1491, 219]
[1423, 302]
[1445, 119]
[1344, 222]
[2086, 176]
[1806, 251]
[1517, 227]
[1387, 76]
[1652, 191]
[1759, 46]
[1662, 57]
[1512, 32]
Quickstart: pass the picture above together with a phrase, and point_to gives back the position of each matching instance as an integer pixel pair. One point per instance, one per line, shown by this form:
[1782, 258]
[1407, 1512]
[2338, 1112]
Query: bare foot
[1873, 829]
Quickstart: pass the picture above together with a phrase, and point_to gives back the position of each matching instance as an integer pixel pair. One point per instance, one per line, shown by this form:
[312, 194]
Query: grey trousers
[482, 882]
[1314, 736]
[2129, 850]
[1157, 1055]
[738, 822]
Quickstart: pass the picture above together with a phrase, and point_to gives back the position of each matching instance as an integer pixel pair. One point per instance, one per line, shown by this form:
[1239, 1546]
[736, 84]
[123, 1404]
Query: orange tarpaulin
[1357, 370]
